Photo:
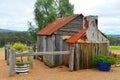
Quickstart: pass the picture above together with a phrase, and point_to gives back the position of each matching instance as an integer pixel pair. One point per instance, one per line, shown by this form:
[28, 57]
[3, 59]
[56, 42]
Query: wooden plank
[70, 30]
[71, 62]
[44, 46]
[12, 62]
[61, 48]
[52, 48]
[77, 56]
[42, 53]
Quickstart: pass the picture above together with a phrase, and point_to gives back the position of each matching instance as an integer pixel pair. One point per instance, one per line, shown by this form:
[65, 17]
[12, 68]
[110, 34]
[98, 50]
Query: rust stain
[57, 24]
[85, 23]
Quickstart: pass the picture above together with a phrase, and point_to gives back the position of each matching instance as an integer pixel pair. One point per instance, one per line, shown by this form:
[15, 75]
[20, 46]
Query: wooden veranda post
[71, 60]
[12, 62]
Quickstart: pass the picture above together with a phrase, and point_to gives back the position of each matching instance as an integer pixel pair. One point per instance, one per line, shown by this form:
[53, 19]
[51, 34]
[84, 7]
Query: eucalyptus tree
[46, 11]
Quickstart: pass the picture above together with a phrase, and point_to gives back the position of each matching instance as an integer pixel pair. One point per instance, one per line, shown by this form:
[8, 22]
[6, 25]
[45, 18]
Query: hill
[6, 30]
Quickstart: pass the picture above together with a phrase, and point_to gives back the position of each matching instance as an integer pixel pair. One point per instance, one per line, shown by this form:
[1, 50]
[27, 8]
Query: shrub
[19, 46]
[104, 59]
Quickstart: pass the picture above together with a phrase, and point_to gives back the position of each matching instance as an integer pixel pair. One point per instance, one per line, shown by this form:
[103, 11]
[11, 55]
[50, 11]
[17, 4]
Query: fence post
[7, 54]
[12, 62]
[30, 58]
[71, 60]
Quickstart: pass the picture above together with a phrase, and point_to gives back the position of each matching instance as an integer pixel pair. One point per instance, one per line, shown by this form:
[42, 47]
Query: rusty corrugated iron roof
[77, 36]
[57, 24]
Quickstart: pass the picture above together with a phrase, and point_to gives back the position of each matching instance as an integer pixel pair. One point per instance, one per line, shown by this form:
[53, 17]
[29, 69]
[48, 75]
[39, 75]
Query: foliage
[19, 46]
[21, 63]
[114, 40]
[104, 59]
[114, 47]
[47, 11]
[32, 31]
[12, 37]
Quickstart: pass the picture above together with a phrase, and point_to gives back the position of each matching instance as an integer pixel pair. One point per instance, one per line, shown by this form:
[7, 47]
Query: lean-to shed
[88, 42]
[53, 37]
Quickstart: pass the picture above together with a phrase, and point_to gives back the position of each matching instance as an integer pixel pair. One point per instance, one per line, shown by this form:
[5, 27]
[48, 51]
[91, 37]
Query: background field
[114, 47]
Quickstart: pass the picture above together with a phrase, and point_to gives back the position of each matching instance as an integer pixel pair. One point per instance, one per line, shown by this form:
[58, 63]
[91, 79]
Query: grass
[1, 49]
[114, 47]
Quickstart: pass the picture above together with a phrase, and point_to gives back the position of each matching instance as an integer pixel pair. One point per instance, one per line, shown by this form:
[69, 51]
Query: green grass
[2, 49]
[114, 47]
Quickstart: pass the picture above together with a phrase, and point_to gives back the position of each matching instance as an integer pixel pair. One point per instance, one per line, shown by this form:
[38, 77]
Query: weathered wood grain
[12, 61]
[71, 62]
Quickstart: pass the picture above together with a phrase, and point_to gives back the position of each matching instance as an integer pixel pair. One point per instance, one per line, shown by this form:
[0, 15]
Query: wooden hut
[74, 31]
[88, 42]
[53, 36]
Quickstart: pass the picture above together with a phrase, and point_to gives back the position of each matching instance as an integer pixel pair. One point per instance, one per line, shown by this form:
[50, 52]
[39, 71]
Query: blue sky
[14, 14]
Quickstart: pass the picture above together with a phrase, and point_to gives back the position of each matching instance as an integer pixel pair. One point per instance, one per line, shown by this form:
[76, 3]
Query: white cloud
[107, 11]
[14, 14]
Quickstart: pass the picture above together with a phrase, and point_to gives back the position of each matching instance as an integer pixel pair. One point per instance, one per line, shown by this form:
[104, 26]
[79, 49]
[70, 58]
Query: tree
[47, 11]
[32, 30]
[65, 8]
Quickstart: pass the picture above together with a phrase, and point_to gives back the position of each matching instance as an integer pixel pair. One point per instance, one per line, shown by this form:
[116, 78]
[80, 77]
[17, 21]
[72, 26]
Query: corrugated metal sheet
[76, 37]
[57, 24]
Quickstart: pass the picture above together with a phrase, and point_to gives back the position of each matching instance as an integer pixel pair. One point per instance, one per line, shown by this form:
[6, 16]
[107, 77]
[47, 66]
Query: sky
[15, 14]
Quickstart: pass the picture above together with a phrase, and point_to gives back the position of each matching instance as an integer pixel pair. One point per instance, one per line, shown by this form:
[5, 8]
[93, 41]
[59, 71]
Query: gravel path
[42, 72]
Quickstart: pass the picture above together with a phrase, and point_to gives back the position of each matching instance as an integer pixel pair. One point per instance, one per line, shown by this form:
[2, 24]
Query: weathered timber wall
[84, 54]
[52, 43]
[72, 27]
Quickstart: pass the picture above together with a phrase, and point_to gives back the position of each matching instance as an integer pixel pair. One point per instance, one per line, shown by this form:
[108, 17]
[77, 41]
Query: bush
[104, 59]
[19, 46]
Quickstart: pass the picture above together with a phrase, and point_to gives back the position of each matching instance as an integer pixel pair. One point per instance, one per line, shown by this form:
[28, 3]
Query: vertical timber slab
[57, 48]
[53, 49]
[44, 46]
[71, 62]
[12, 62]
[50, 45]
[77, 56]
[61, 48]
[107, 51]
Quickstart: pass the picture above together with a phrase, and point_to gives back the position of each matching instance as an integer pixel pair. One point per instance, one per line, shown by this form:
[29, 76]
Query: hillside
[6, 30]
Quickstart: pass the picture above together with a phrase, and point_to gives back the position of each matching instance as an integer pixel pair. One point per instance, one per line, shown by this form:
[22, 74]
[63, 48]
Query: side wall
[52, 43]
[85, 52]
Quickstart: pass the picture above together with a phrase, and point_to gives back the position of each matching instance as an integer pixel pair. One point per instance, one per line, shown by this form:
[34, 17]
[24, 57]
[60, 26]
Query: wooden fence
[80, 55]
[10, 56]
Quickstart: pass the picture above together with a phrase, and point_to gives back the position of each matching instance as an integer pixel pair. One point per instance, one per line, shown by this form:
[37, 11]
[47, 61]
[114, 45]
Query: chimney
[91, 24]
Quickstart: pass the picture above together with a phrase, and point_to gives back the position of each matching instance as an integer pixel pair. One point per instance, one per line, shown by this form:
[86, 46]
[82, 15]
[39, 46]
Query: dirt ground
[42, 72]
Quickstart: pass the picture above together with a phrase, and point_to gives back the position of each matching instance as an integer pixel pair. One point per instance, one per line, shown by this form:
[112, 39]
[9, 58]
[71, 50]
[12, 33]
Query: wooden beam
[42, 53]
